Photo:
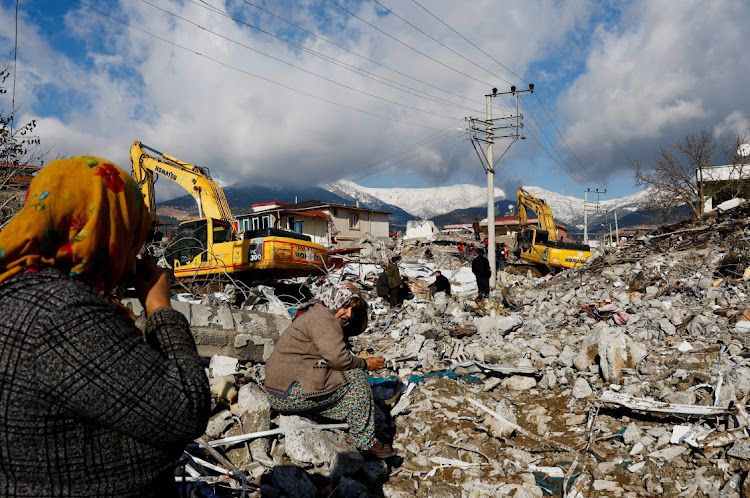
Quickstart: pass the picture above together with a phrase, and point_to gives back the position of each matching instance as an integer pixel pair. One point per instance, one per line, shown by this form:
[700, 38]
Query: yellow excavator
[543, 246]
[210, 246]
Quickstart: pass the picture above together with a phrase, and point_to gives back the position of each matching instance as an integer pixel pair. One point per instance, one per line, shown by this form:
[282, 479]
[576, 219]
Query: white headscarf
[336, 296]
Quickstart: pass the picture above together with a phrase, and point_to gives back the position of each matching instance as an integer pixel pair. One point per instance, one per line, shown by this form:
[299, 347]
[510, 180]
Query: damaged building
[628, 376]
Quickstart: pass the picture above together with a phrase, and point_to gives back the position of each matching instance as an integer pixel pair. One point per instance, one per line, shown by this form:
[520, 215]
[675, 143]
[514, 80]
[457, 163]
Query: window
[265, 221]
[222, 231]
[256, 223]
[290, 223]
[354, 221]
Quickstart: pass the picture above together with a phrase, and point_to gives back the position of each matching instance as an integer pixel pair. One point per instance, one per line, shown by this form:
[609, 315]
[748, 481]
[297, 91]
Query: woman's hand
[375, 363]
[152, 286]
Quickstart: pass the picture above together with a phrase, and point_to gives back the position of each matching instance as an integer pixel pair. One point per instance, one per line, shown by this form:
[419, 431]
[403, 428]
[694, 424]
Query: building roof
[306, 205]
[725, 173]
[311, 213]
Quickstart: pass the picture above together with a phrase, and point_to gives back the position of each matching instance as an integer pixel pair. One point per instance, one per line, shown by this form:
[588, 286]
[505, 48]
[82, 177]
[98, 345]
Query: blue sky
[308, 91]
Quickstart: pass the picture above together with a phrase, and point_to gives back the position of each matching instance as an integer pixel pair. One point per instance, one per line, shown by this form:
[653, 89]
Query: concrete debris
[626, 377]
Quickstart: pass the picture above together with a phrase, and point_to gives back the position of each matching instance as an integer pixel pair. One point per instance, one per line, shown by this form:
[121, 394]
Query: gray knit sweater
[86, 407]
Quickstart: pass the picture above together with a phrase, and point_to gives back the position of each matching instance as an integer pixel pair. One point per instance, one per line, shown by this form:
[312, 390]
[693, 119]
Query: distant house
[507, 225]
[721, 183]
[331, 225]
[16, 176]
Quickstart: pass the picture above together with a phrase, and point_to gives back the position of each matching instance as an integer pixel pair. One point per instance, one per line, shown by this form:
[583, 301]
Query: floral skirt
[352, 403]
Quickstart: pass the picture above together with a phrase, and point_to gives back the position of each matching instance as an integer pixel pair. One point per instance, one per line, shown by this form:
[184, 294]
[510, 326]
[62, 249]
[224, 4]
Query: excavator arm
[527, 201]
[210, 198]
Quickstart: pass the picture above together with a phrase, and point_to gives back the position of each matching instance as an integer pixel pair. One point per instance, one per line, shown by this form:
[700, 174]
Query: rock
[740, 450]
[255, 415]
[443, 490]
[519, 383]
[293, 481]
[349, 487]
[633, 433]
[327, 452]
[668, 453]
[222, 366]
[504, 325]
[498, 428]
[566, 357]
[219, 423]
[613, 354]
[548, 350]
[582, 389]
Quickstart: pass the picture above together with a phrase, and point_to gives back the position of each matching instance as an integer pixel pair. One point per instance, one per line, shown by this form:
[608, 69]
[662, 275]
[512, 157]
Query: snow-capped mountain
[426, 203]
[423, 203]
[569, 210]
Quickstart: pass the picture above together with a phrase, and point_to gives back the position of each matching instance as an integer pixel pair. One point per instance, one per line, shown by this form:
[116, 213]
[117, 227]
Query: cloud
[736, 122]
[620, 82]
[663, 70]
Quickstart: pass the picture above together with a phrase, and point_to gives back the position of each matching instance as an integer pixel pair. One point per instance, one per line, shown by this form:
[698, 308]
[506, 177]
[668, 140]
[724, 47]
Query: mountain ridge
[443, 205]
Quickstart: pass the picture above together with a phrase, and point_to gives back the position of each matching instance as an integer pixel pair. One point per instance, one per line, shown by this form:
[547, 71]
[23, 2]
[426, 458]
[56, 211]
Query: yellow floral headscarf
[83, 215]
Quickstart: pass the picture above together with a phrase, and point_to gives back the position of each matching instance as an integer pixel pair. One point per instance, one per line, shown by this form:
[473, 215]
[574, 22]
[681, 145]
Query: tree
[19, 150]
[676, 174]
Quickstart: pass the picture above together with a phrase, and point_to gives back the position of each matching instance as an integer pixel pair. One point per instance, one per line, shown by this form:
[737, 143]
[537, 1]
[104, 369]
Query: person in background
[481, 269]
[311, 371]
[382, 287]
[476, 228]
[90, 405]
[394, 280]
[441, 284]
[404, 292]
[501, 256]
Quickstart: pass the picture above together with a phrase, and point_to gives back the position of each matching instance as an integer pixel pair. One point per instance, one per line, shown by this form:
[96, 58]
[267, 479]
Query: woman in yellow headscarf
[88, 407]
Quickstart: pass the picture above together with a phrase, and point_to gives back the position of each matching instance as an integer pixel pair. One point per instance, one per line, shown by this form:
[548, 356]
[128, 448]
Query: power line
[356, 53]
[541, 132]
[566, 143]
[522, 79]
[441, 43]
[268, 80]
[471, 43]
[408, 46]
[349, 67]
[294, 65]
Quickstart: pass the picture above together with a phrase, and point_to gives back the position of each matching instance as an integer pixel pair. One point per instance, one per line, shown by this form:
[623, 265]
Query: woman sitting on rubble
[89, 408]
[312, 371]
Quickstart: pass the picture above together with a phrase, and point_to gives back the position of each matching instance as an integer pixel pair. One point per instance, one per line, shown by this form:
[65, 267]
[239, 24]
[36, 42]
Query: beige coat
[313, 352]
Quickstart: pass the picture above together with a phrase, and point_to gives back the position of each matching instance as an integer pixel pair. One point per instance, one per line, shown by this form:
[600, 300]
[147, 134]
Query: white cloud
[735, 122]
[209, 109]
[666, 69]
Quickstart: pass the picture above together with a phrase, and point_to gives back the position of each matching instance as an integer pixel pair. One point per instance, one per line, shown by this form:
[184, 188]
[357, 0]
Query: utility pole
[617, 231]
[586, 211]
[488, 162]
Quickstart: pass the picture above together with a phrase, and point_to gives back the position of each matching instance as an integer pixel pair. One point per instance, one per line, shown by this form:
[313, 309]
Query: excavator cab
[191, 241]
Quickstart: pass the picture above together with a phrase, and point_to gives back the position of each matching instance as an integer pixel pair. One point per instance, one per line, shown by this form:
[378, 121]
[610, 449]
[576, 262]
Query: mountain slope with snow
[569, 210]
[423, 203]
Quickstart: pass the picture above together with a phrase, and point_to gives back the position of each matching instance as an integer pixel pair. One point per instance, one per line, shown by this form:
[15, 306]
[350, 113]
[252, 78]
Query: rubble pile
[626, 377]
